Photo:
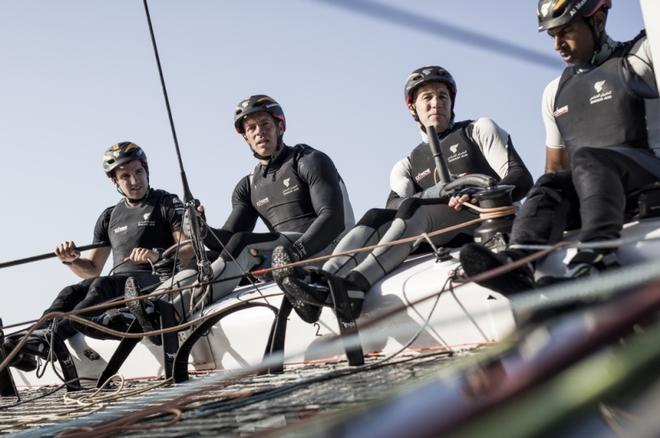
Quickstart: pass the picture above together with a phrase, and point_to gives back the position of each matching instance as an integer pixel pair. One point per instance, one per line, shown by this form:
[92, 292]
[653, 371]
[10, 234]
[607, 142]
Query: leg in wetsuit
[368, 231]
[591, 197]
[90, 292]
[415, 216]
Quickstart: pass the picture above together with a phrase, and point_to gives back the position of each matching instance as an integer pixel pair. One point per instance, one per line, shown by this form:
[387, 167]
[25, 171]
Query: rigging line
[186, 189]
[442, 29]
[245, 272]
[171, 290]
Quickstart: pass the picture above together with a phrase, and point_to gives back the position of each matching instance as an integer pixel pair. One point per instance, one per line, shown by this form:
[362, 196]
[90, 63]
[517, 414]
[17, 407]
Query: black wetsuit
[302, 200]
[600, 113]
[300, 191]
[123, 228]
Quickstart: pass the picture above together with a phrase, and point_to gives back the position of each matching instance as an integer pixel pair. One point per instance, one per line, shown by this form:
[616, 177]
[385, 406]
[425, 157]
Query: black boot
[477, 259]
[583, 264]
[308, 298]
[37, 345]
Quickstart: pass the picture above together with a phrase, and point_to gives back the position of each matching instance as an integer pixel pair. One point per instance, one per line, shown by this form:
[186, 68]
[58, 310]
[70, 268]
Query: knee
[408, 208]
[376, 217]
[586, 157]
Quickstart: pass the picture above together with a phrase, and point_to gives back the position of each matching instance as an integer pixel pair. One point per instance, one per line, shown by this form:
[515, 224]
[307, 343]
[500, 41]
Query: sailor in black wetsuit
[136, 230]
[414, 206]
[597, 149]
[295, 190]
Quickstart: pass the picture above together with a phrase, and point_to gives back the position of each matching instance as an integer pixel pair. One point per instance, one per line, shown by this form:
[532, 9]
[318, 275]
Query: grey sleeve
[401, 184]
[496, 145]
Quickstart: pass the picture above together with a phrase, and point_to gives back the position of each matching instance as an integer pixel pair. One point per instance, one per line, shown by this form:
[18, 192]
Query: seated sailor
[295, 190]
[597, 151]
[415, 204]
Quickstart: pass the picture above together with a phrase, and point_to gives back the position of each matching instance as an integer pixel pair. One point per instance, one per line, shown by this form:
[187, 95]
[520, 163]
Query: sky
[77, 76]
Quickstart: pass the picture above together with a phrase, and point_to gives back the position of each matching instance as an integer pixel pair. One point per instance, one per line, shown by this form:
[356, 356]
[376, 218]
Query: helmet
[254, 104]
[122, 153]
[424, 75]
[555, 13]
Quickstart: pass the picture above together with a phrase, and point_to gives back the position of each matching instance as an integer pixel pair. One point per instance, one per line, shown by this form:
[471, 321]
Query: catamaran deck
[240, 406]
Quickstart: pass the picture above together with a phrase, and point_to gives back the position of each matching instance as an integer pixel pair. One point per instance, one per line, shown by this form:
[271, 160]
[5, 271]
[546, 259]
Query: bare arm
[556, 160]
[84, 267]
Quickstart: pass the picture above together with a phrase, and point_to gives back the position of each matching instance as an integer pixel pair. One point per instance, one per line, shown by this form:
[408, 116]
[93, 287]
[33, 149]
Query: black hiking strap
[126, 346]
[169, 341]
[345, 320]
[277, 337]
[180, 372]
[7, 385]
[67, 365]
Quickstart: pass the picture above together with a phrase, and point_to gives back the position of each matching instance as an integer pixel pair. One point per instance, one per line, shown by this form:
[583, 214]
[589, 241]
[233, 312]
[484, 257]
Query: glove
[297, 251]
[432, 192]
[470, 191]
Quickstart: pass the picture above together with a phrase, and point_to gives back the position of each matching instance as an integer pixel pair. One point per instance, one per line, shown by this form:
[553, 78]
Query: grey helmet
[122, 153]
[424, 75]
[555, 13]
[254, 104]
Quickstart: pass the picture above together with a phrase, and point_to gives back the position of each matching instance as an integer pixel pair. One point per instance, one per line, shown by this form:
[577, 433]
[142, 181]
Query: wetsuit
[597, 114]
[413, 208]
[123, 228]
[300, 197]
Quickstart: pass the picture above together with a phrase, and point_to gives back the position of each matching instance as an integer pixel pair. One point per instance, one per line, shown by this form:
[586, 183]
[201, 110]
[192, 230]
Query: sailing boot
[144, 310]
[477, 259]
[37, 345]
[584, 264]
[309, 298]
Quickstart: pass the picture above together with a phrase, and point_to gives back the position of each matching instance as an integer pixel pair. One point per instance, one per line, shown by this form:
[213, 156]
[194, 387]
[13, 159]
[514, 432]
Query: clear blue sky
[79, 75]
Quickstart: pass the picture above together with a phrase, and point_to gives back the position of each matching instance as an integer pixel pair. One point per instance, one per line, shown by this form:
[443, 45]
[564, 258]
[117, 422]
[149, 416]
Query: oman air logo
[603, 92]
[453, 148]
[286, 182]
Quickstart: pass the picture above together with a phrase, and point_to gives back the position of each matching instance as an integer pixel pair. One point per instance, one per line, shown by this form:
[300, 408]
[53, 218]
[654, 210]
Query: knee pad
[376, 217]
[408, 208]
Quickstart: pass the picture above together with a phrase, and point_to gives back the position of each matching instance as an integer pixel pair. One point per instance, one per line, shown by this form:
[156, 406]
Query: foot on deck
[477, 259]
[37, 345]
[585, 263]
[309, 298]
[306, 300]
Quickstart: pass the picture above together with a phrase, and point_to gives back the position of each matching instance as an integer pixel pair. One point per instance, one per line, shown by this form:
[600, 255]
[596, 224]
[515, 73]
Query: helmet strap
[134, 201]
[598, 39]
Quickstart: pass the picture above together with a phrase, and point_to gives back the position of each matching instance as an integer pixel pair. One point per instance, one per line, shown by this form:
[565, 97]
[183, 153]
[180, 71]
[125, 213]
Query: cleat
[477, 259]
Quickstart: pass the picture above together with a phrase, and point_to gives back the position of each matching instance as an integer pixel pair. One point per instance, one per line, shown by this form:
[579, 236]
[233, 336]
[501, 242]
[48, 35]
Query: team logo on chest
[288, 187]
[145, 222]
[603, 92]
[456, 154]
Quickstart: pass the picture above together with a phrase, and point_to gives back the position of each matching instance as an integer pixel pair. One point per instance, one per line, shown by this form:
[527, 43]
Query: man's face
[261, 132]
[573, 41]
[433, 105]
[132, 180]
